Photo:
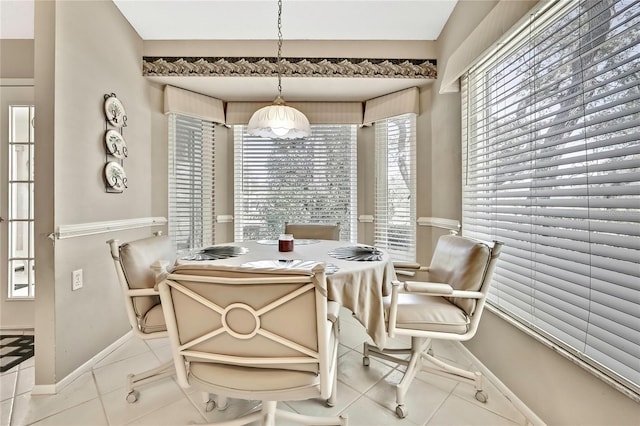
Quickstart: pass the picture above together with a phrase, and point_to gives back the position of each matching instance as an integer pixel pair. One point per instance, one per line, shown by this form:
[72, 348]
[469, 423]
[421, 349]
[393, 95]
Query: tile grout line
[13, 396]
[95, 383]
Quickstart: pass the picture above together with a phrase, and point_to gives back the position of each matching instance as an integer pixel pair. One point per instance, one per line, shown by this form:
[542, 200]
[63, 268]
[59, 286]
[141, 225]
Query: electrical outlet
[76, 279]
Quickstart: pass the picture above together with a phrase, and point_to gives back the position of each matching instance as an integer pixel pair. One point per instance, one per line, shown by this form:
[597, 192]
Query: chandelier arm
[279, 65]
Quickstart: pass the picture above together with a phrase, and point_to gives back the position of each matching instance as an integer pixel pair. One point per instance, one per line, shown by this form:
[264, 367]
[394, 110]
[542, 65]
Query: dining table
[358, 283]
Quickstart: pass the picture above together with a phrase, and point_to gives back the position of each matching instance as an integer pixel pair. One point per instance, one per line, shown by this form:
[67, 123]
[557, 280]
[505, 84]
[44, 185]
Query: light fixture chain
[279, 65]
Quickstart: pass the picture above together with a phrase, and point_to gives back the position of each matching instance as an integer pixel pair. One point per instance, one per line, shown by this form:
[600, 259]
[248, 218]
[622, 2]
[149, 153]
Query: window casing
[551, 165]
[311, 180]
[191, 182]
[395, 202]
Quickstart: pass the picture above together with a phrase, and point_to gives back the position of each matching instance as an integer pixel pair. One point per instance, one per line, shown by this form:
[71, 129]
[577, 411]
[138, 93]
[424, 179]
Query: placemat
[357, 253]
[217, 253]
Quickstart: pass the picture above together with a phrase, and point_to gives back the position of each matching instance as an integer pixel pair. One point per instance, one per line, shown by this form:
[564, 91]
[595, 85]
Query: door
[17, 263]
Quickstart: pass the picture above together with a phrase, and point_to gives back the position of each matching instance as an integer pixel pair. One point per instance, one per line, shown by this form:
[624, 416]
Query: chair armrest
[333, 311]
[408, 269]
[406, 265]
[160, 266]
[142, 292]
[467, 294]
[440, 289]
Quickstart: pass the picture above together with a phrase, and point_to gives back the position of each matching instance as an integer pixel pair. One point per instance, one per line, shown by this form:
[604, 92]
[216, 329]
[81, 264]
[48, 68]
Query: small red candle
[285, 242]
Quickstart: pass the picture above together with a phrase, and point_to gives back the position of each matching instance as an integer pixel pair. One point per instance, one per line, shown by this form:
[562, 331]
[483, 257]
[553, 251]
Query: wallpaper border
[199, 66]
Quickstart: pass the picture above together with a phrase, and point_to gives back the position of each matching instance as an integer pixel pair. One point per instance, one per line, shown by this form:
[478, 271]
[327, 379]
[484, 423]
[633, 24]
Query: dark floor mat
[14, 350]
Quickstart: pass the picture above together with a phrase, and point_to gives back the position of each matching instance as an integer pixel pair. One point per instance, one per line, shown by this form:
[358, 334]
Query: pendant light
[279, 121]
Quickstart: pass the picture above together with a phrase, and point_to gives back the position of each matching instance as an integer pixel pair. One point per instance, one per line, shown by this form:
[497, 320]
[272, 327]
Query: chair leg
[334, 389]
[166, 369]
[387, 354]
[221, 403]
[446, 370]
[414, 365]
[311, 420]
[269, 413]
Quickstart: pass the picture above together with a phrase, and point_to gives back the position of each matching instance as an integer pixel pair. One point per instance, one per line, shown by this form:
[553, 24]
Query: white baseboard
[532, 417]
[44, 390]
[86, 367]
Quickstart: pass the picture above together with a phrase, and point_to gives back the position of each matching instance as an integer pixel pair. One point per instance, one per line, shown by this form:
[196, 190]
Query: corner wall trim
[84, 229]
[84, 368]
[439, 222]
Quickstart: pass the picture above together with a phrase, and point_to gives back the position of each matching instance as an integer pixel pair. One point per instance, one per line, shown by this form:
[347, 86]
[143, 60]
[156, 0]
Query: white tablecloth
[357, 285]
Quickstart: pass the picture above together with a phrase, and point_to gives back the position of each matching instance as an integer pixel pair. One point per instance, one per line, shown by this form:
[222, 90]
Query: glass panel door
[21, 272]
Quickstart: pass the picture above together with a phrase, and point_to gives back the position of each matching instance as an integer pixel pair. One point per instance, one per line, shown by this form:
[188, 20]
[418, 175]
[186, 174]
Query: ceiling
[301, 19]
[257, 20]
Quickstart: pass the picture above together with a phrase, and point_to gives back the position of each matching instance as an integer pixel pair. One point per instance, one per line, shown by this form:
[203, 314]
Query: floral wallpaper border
[291, 67]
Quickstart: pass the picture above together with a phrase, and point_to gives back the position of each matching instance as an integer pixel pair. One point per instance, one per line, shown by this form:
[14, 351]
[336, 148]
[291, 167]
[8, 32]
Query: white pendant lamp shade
[278, 121]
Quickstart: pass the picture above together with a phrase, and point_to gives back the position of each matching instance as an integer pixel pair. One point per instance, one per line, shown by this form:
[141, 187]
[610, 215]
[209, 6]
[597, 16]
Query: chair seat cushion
[238, 378]
[428, 313]
[153, 320]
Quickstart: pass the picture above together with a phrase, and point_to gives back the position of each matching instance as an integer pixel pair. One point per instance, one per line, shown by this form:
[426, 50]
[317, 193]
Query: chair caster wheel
[482, 396]
[210, 406]
[132, 397]
[401, 412]
[366, 361]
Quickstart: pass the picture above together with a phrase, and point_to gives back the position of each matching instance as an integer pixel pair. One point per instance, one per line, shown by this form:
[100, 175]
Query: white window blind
[310, 180]
[191, 182]
[551, 166]
[395, 205]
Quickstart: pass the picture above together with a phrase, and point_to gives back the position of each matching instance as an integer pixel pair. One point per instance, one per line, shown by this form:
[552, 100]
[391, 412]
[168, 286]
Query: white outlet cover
[76, 279]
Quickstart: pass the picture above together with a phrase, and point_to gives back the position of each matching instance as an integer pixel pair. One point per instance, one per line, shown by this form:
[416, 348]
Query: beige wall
[557, 390]
[16, 58]
[83, 51]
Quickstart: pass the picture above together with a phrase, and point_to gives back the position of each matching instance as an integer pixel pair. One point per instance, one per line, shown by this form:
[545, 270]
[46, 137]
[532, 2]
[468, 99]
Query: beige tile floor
[365, 395]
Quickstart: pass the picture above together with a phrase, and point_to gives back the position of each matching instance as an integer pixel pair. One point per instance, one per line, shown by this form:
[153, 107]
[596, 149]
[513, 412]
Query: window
[20, 212]
[191, 182]
[551, 165]
[310, 180]
[395, 205]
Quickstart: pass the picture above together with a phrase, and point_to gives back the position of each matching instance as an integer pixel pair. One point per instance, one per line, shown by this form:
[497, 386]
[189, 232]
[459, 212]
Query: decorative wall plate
[115, 176]
[217, 253]
[359, 253]
[114, 110]
[115, 143]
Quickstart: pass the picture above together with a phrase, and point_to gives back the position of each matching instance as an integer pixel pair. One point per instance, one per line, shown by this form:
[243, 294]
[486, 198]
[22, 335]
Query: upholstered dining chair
[254, 333]
[313, 231]
[446, 304]
[138, 264]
